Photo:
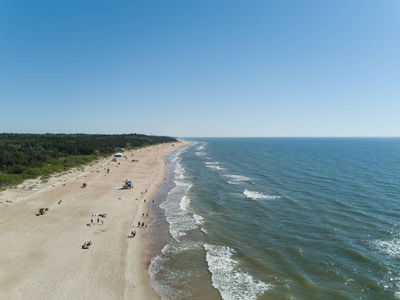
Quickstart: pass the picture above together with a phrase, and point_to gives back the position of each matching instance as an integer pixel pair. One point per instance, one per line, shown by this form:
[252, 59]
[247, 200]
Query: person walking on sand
[102, 222]
[132, 234]
[98, 220]
[91, 220]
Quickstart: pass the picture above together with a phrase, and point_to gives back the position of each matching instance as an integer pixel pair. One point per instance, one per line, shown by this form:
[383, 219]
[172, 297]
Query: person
[91, 220]
[138, 223]
[84, 246]
[132, 234]
[142, 224]
[102, 222]
[98, 220]
[147, 215]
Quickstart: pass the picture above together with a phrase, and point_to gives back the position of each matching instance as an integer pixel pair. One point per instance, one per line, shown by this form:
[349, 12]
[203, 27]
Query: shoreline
[42, 255]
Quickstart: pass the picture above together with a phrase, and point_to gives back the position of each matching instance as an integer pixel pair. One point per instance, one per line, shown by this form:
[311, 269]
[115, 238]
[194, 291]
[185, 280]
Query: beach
[42, 255]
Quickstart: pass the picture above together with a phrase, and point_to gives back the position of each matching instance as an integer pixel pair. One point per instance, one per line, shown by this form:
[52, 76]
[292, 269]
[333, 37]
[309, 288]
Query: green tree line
[26, 156]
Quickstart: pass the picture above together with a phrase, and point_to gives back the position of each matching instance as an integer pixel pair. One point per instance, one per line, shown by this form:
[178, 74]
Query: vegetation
[26, 156]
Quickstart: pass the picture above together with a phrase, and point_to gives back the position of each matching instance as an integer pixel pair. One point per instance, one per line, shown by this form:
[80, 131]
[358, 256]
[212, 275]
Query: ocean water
[278, 218]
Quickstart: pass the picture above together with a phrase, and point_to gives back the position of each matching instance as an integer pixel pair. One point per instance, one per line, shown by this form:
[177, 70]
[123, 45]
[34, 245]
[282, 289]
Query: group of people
[86, 245]
[140, 225]
[98, 220]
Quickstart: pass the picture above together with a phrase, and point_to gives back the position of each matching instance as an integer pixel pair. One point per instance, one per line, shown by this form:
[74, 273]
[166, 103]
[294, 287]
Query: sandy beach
[42, 256]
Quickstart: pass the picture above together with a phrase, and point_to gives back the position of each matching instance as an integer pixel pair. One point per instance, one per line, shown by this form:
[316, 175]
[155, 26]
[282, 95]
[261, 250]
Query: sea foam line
[177, 204]
[228, 278]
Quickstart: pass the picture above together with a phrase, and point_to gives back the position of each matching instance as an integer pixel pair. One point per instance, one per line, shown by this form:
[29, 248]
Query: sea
[278, 218]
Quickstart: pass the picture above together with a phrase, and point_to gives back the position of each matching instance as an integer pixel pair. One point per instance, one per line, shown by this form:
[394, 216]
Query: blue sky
[201, 68]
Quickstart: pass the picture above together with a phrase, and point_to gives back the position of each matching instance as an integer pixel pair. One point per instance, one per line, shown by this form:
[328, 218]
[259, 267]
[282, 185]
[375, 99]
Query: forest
[27, 156]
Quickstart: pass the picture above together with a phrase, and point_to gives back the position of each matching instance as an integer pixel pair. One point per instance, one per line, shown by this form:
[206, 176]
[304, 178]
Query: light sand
[41, 256]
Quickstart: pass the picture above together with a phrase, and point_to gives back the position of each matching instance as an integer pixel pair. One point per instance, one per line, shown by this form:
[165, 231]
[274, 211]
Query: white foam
[179, 171]
[258, 196]
[211, 163]
[237, 179]
[233, 182]
[397, 293]
[202, 229]
[177, 204]
[185, 203]
[199, 153]
[158, 265]
[179, 220]
[199, 219]
[215, 167]
[228, 278]
[174, 248]
[388, 247]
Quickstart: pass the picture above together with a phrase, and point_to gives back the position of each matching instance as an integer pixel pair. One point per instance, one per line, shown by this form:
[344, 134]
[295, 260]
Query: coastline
[178, 268]
[42, 255]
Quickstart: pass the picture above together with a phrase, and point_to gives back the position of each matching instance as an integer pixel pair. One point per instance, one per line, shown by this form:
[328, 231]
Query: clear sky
[194, 68]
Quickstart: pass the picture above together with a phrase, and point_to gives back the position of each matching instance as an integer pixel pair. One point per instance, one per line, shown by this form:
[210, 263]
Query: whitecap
[237, 179]
[233, 182]
[258, 196]
[211, 163]
[199, 219]
[215, 167]
[228, 278]
[185, 203]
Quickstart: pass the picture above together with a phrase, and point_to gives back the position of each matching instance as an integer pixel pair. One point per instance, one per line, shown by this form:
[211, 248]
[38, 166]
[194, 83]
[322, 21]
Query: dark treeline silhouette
[24, 156]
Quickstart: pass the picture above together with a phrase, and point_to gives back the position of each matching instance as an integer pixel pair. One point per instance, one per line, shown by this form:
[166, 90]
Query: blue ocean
[278, 218]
